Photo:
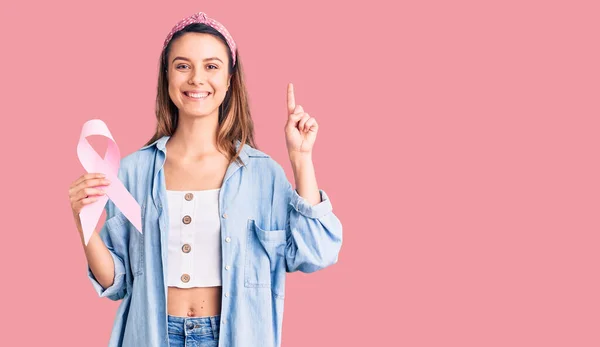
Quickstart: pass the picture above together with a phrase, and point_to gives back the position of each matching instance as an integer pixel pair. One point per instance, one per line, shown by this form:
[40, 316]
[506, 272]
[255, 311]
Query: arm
[305, 178]
[105, 255]
[314, 233]
[99, 260]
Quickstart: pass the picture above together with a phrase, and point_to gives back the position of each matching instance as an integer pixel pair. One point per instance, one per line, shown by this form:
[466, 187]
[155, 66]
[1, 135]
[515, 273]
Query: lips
[197, 95]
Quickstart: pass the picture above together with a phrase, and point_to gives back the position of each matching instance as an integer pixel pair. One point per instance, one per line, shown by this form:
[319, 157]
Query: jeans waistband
[194, 325]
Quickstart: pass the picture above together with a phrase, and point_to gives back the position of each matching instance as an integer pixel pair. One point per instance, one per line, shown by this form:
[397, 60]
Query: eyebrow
[207, 59]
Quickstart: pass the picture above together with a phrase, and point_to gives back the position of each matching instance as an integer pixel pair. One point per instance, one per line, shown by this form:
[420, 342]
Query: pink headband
[201, 17]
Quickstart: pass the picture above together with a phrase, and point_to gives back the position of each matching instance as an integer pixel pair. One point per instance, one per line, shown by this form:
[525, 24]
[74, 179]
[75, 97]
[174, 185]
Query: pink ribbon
[109, 166]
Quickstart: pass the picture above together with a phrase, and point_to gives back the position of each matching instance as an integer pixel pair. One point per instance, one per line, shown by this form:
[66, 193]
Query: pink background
[458, 142]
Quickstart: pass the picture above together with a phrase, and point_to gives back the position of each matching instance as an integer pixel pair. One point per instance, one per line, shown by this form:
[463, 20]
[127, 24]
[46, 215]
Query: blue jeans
[194, 331]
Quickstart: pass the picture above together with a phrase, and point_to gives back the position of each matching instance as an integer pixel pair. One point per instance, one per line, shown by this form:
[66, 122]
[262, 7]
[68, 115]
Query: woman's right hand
[84, 191]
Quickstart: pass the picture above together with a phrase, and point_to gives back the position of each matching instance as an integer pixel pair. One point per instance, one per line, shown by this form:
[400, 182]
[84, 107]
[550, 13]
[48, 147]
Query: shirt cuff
[117, 286]
[305, 208]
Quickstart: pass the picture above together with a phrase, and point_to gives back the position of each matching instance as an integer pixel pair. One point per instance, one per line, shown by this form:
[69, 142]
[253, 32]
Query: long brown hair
[235, 120]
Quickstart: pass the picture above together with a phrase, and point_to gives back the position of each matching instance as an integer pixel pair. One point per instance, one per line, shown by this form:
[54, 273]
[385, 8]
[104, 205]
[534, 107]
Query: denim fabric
[193, 331]
[267, 230]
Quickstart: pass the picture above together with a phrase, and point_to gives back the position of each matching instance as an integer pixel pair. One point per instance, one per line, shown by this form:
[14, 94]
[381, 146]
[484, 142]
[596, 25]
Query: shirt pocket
[136, 245]
[265, 258]
[115, 226]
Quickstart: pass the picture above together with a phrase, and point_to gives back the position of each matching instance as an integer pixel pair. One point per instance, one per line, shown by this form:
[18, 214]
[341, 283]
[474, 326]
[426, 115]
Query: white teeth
[198, 95]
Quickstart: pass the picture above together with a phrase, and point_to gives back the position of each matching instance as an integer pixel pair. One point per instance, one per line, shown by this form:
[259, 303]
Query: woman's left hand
[300, 129]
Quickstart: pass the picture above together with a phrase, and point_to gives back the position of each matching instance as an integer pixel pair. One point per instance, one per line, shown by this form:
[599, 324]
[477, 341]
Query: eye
[216, 67]
[178, 66]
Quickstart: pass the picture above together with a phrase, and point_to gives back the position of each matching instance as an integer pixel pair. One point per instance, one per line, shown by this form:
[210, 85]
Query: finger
[296, 115]
[86, 177]
[86, 201]
[91, 176]
[298, 109]
[97, 182]
[291, 100]
[305, 118]
[294, 118]
[87, 192]
[311, 125]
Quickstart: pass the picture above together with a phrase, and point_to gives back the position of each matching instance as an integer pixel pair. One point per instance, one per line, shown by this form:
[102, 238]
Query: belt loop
[213, 326]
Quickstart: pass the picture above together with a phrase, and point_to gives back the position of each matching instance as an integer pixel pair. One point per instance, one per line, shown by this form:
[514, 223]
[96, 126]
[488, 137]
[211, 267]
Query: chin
[200, 112]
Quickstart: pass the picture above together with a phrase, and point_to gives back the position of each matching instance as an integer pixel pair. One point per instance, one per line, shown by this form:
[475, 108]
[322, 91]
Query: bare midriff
[194, 302]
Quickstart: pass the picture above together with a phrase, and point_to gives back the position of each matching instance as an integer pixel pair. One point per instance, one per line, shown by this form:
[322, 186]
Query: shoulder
[263, 163]
[134, 163]
[133, 160]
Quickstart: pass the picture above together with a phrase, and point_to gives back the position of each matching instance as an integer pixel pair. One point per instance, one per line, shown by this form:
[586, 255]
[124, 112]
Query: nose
[196, 77]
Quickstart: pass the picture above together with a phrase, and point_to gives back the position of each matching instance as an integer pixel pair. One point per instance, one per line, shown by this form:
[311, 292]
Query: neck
[195, 137]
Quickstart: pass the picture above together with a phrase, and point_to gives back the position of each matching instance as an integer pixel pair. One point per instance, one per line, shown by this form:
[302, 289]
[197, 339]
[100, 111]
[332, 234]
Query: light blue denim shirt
[267, 229]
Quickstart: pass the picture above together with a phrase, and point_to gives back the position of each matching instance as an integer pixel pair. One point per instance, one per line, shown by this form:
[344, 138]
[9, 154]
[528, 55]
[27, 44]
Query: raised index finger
[290, 99]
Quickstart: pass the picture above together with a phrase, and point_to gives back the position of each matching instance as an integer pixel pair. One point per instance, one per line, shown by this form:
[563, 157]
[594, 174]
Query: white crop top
[194, 258]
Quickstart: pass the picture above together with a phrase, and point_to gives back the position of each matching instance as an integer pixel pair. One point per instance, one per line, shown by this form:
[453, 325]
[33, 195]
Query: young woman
[221, 223]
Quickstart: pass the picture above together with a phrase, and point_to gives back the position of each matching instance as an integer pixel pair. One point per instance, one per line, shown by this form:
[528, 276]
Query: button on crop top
[194, 258]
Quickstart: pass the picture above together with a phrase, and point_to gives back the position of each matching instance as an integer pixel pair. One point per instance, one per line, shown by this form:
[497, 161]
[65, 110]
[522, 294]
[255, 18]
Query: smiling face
[198, 74]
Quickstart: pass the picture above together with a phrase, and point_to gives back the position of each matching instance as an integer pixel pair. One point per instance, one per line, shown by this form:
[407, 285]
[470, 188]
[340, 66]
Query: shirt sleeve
[314, 233]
